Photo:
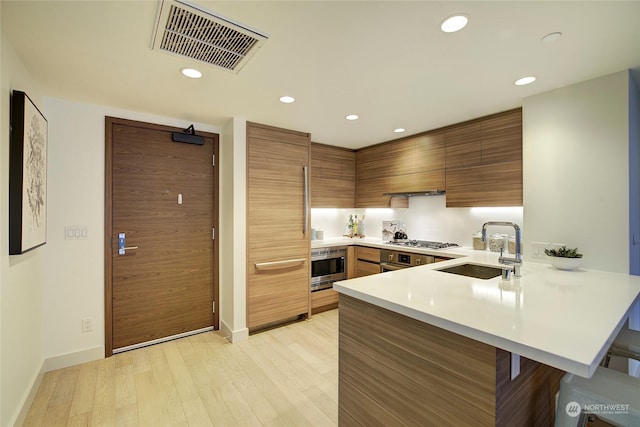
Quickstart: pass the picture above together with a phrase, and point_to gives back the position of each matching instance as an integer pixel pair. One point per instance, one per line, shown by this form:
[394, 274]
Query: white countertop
[565, 319]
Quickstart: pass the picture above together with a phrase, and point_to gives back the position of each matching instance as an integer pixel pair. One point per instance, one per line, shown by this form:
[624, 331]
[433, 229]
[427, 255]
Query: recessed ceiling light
[525, 81]
[191, 72]
[399, 130]
[352, 117]
[454, 23]
[551, 37]
[287, 99]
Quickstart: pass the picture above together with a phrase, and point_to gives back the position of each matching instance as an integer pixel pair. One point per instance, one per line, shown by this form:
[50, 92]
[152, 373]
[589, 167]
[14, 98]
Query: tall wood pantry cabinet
[278, 235]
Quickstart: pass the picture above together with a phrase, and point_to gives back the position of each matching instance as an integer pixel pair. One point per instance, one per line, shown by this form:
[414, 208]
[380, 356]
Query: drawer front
[365, 268]
[368, 254]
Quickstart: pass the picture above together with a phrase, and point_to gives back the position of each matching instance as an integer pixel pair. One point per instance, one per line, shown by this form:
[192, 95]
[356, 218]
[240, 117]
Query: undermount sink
[473, 270]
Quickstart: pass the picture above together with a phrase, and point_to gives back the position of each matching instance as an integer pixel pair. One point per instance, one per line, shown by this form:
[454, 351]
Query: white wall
[21, 276]
[426, 218]
[576, 170]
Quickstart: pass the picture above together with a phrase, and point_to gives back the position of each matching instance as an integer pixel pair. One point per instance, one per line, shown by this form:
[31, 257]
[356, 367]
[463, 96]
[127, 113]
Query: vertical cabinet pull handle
[305, 171]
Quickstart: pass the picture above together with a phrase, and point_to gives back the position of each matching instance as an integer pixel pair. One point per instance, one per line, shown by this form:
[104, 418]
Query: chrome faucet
[517, 261]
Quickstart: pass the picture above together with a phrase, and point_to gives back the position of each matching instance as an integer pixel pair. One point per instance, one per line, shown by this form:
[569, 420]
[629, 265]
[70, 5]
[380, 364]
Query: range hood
[416, 193]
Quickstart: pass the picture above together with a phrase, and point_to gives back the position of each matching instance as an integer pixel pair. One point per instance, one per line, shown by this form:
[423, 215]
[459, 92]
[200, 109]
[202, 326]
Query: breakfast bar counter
[422, 346]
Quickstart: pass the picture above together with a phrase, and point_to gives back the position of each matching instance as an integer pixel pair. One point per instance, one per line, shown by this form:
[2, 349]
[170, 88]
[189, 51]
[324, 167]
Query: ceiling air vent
[188, 30]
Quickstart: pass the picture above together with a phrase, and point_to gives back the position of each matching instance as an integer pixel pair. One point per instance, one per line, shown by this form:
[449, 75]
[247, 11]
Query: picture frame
[27, 175]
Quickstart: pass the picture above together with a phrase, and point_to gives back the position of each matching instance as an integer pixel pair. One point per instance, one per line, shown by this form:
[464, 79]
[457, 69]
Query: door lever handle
[122, 249]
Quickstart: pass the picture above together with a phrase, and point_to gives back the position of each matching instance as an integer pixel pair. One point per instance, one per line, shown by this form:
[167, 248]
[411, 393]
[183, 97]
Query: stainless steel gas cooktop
[424, 244]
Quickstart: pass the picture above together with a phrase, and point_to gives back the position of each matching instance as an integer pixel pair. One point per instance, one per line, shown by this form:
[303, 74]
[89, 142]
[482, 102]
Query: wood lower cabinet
[333, 177]
[394, 370]
[326, 299]
[278, 241]
[367, 261]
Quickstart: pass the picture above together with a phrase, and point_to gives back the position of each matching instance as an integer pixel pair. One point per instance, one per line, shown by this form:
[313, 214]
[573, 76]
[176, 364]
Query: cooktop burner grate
[425, 244]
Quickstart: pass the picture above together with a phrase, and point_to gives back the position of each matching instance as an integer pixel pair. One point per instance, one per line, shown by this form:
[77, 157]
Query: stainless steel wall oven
[394, 260]
[328, 265]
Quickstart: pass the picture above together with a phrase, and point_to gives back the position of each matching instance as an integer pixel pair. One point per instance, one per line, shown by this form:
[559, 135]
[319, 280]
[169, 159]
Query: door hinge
[213, 304]
[213, 234]
[213, 161]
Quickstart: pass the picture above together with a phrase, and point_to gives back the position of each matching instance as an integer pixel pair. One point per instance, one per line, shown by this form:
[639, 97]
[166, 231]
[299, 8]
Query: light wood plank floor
[283, 377]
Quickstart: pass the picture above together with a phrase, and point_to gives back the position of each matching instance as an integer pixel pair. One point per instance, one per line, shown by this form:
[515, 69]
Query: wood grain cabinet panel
[419, 181]
[333, 177]
[502, 138]
[323, 300]
[275, 207]
[429, 154]
[369, 193]
[365, 268]
[464, 145]
[368, 254]
[410, 164]
[368, 261]
[394, 370]
[490, 174]
[369, 161]
[488, 185]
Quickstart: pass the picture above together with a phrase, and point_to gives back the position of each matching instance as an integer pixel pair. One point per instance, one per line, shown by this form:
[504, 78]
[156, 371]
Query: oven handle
[391, 267]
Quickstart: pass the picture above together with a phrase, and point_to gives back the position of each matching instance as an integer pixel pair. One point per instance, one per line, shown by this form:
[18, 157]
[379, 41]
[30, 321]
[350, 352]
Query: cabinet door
[502, 137]
[365, 268]
[487, 185]
[333, 177]
[278, 246]
[464, 145]
[369, 193]
[419, 181]
[429, 152]
[368, 254]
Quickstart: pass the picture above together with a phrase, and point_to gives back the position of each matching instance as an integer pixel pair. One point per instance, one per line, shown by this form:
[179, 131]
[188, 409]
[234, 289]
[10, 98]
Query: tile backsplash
[426, 218]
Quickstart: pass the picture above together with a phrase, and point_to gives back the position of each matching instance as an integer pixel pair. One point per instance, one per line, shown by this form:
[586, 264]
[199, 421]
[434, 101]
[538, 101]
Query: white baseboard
[75, 358]
[234, 336]
[28, 400]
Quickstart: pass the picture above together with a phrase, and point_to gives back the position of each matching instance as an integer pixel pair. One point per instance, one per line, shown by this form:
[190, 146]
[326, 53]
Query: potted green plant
[564, 258]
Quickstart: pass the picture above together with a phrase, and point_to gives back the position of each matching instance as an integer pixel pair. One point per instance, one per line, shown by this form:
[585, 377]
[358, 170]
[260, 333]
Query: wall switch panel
[76, 233]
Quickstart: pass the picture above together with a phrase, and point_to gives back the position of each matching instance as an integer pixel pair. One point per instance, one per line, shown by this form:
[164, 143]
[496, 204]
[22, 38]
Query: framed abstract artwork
[27, 176]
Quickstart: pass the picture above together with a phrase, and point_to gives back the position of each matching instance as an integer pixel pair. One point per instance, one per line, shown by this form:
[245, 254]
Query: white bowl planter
[562, 263]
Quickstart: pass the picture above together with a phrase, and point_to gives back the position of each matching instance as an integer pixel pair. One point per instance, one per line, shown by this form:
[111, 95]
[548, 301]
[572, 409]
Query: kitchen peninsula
[420, 346]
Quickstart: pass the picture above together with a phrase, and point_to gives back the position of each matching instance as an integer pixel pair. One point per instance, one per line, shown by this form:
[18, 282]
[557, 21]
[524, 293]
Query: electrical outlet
[87, 325]
[538, 249]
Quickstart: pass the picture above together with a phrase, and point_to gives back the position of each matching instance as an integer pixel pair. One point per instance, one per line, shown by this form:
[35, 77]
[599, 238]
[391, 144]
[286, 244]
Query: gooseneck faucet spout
[517, 261]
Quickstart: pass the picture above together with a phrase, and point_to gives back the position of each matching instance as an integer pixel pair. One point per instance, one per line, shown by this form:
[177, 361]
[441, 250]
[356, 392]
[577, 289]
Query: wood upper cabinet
[502, 138]
[416, 163]
[484, 161]
[277, 280]
[429, 154]
[333, 177]
[464, 145]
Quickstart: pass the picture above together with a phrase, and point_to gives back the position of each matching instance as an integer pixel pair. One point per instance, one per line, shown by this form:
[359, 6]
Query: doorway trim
[108, 222]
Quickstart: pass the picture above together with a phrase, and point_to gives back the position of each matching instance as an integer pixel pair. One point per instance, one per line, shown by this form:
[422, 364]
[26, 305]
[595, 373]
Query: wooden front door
[161, 197]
